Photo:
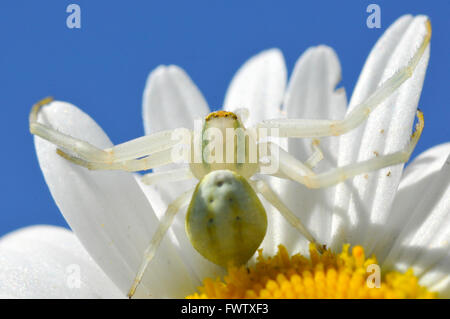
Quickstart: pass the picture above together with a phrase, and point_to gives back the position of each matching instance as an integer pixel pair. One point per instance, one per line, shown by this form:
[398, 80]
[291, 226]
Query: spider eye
[221, 114]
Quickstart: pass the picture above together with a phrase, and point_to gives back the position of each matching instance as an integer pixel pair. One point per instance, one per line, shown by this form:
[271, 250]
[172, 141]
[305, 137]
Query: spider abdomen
[226, 221]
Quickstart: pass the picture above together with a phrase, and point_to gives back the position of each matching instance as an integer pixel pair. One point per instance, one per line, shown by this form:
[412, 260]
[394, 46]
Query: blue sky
[102, 67]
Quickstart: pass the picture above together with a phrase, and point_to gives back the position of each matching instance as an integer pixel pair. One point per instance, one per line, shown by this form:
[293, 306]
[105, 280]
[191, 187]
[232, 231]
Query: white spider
[225, 220]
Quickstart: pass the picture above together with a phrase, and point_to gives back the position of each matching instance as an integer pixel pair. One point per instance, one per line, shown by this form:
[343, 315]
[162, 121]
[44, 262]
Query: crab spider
[225, 220]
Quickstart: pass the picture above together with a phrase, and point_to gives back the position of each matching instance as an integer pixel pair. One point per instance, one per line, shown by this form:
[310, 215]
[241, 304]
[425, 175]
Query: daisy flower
[393, 218]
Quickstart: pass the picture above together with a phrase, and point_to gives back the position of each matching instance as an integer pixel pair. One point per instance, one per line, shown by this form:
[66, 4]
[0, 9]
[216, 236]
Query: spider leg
[174, 175]
[135, 165]
[163, 226]
[264, 189]
[285, 163]
[87, 153]
[293, 169]
[319, 128]
[317, 156]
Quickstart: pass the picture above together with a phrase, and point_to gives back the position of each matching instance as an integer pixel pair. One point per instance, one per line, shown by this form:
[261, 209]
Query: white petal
[171, 100]
[279, 230]
[107, 209]
[424, 242]
[312, 94]
[50, 262]
[367, 199]
[417, 174]
[417, 178]
[259, 86]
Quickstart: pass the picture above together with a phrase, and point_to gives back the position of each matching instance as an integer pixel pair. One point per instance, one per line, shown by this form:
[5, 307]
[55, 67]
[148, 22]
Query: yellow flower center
[327, 275]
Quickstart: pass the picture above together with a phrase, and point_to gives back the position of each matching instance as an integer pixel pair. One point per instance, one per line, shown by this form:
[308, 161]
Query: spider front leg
[175, 175]
[163, 226]
[320, 128]
[134, 165]
[291, 168]
[123, 156]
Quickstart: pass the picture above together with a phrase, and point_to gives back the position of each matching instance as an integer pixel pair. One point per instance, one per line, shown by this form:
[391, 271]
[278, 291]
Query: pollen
[328, 275]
